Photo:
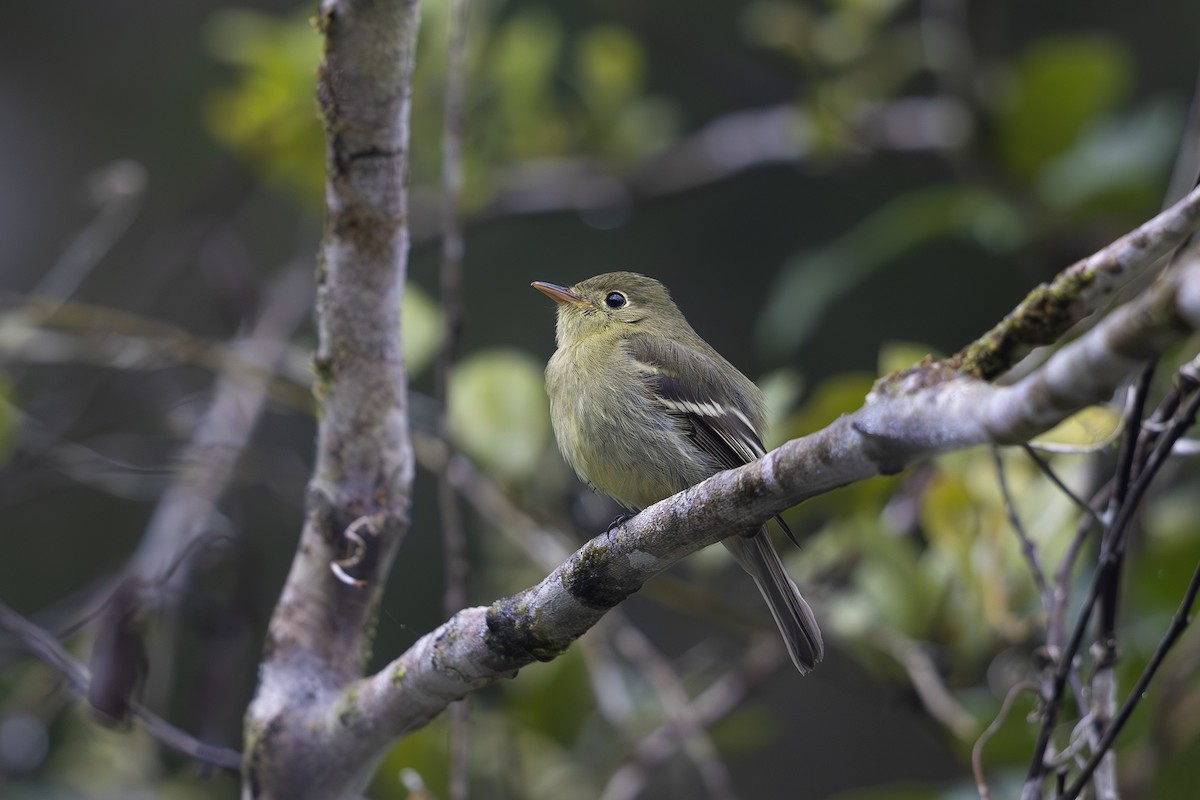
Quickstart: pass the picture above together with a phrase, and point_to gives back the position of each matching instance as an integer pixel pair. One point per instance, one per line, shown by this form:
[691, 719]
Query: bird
[643, 408]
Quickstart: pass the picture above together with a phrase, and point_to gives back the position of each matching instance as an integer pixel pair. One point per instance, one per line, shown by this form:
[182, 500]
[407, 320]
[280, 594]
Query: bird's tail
[792, 614]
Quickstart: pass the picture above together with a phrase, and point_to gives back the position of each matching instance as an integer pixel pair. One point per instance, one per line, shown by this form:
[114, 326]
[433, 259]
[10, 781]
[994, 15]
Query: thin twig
[1062, 575]
[1064, 657]
[1102, 699]
[1179, 623]
[1129, 442]
[677, 707]
[118, 190]
[977, 750]
[1049, 472]
[1028, 547]
[923, 674]
[720, 698]
[1189, 376]
[48, 650]
[1114, 539]
[1055, 598]
[453, 537]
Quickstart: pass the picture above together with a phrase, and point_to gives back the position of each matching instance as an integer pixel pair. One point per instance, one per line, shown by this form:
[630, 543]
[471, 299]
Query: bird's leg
[618, 521]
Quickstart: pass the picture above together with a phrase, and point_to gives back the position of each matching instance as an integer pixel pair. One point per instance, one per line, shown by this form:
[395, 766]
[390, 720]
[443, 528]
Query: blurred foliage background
[831, 189]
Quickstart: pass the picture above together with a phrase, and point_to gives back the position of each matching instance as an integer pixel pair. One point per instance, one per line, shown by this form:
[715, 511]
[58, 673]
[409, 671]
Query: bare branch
[1028, 547]
[977, 750]
[48, 650]
[318, 636]
[1179, 623]
[209, 460]
[721, 697]
[923, 674]
[1113, 542]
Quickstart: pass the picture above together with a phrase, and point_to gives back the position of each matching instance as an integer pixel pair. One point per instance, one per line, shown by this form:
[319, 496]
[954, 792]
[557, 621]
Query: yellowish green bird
[643, 408]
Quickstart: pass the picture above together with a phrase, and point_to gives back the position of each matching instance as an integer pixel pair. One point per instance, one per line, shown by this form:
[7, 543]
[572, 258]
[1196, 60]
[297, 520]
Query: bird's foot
[618, 521]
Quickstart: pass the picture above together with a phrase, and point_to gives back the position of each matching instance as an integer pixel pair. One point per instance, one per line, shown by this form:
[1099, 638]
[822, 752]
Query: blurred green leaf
[890, 587]
[499, 414]
[269, 115]
[1090, 426]
[1116, 163]
[554, 698]
[834, 396]
[899, 356]
[10, 419]
[781, 388]
[813, 281]
[1060, 86]
[421, 329]
[778, 25]
[424, 750]
[611, 66]
[525, 57]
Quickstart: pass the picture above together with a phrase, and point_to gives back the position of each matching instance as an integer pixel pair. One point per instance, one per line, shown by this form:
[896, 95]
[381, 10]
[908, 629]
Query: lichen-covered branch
[359, 496]
[914, 415]
[1052, 308]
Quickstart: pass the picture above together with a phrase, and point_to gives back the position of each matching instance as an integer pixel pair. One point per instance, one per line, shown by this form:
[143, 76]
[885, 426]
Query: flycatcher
[643, 408]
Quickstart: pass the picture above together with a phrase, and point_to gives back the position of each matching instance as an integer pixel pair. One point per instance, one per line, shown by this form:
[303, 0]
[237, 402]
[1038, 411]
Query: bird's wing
[714, 416]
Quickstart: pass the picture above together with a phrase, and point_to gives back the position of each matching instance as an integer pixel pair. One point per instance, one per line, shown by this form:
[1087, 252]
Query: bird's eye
[615, 300]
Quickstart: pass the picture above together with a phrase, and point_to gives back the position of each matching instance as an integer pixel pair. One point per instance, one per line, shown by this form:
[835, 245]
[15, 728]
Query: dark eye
[615, 300]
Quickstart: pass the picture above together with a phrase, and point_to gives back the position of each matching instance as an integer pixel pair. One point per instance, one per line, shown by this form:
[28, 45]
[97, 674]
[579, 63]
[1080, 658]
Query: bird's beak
[560, 294]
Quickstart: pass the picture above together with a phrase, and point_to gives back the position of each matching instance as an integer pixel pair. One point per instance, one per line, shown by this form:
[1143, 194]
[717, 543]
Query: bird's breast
[613, 434]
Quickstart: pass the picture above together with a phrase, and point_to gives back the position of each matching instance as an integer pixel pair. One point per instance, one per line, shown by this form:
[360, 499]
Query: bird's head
[608, 303]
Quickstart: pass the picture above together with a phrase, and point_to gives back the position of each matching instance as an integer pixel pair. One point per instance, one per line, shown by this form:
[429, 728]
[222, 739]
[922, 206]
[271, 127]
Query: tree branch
[1051, 309]
[315, 727]
[318, 637]
[47, 649]
[924, 411]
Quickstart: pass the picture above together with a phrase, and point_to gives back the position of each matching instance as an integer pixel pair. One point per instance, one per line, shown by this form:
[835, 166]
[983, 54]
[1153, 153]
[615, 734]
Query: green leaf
[782, 389]
[611, 66]
[424, 751]
[1119, 162]
[525, 58]
[269, 115]
[812, 281]
[421, 329]
[499, 414]
[1060, 87]
[553, 698]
